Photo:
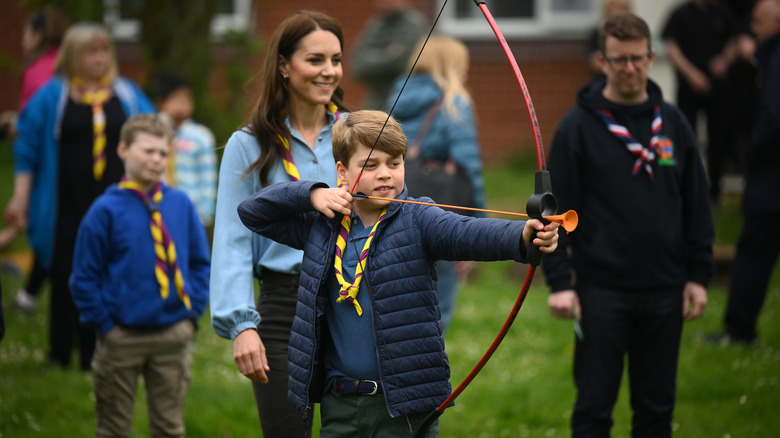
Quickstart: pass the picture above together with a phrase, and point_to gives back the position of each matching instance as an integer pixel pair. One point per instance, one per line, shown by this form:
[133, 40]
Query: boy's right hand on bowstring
[332, 201]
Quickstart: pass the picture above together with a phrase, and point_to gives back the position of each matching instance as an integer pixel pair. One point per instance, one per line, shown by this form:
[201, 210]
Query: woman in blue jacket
[440, 76]
[64, 158]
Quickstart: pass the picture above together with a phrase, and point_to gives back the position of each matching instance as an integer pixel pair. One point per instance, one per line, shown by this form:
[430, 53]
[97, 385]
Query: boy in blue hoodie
[367, 341]
[140, 277]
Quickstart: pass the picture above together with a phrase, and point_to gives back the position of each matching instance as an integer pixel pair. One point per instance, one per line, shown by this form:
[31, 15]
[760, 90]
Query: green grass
[526, 390]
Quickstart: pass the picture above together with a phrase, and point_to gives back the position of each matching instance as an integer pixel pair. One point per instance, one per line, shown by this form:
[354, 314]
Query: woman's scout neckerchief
[286, 151]
[95, 98]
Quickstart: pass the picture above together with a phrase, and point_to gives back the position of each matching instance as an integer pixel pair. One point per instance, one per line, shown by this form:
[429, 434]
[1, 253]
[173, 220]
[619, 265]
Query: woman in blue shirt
[287, 137]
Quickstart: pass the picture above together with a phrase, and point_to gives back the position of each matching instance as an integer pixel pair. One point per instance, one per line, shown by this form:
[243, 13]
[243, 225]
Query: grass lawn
[526, 390]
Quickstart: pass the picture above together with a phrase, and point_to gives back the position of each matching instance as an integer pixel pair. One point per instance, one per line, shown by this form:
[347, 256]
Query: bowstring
[409, 75]
[542, 166]
[352, 190]
[397, 97]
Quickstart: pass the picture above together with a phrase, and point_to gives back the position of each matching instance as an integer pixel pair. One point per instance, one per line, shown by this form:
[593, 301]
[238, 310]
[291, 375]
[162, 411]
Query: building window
[521, 18]
[120, 17]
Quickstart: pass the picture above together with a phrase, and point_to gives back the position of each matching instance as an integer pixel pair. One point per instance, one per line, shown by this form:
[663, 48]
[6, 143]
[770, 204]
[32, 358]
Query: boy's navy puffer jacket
[401, 279]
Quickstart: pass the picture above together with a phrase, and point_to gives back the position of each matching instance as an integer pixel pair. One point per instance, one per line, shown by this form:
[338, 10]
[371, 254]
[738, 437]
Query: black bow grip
[542, 203]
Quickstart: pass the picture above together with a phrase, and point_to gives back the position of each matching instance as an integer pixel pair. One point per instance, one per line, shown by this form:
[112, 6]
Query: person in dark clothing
[627, 162]
[759, 243]
[699, 38]
[740, 87]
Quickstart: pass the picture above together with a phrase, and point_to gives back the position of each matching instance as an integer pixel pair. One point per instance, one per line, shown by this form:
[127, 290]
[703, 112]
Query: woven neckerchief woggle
[164, 248]
[645, 156]
[348, 291]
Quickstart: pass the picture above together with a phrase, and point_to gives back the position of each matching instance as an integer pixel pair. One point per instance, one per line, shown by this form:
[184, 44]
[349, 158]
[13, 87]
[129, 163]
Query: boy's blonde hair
[76, 39]
[151, 124]
[363, 127]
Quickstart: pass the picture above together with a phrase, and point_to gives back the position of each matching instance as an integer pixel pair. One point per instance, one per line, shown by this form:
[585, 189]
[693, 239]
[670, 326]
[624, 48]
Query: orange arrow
[568, 220]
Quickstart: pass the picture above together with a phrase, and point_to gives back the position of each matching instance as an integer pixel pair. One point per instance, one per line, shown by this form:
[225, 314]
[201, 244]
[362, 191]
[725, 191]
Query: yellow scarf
[287, 158]
[164, 248]
[96, 98]
[349, 291]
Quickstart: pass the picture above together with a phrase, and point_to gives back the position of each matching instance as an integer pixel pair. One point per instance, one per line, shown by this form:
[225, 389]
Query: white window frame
[547, 23]
[129, 29]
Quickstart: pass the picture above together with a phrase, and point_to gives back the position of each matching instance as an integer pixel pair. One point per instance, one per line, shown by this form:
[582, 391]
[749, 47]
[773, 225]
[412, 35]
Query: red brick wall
[553, 70]
[11, 23]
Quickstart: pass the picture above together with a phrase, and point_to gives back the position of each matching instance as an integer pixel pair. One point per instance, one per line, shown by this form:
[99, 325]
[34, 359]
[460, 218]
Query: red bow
[541, 204]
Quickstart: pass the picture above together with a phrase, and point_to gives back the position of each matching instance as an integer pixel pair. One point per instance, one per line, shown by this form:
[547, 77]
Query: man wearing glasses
[639, 263]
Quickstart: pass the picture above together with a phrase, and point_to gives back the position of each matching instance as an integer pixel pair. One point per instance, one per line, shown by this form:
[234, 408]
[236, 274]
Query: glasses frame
[622, 61]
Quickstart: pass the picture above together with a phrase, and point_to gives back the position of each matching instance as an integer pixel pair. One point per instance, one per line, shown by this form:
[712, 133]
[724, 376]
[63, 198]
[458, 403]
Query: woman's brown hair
[266, 122]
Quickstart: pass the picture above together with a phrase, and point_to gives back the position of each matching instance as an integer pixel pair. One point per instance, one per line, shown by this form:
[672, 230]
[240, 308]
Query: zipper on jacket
[307, 420]
[376, 334]
[314, 356]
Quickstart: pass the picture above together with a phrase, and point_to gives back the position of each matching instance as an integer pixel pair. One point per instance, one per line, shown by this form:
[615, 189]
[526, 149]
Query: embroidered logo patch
[665, 151]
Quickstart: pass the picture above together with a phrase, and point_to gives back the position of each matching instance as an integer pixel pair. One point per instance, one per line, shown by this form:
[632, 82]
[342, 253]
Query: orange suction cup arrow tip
[568, 220]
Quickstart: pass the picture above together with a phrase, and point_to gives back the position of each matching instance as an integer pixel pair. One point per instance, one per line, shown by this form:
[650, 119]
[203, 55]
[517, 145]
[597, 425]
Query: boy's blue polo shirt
[349, 350]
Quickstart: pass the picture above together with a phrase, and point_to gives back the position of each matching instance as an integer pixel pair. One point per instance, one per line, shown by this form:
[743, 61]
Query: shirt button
[315, 160]
[319, 138]
[354, 221]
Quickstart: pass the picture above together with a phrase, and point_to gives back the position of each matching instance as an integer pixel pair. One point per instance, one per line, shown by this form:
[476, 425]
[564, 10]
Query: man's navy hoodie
[635, 233]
